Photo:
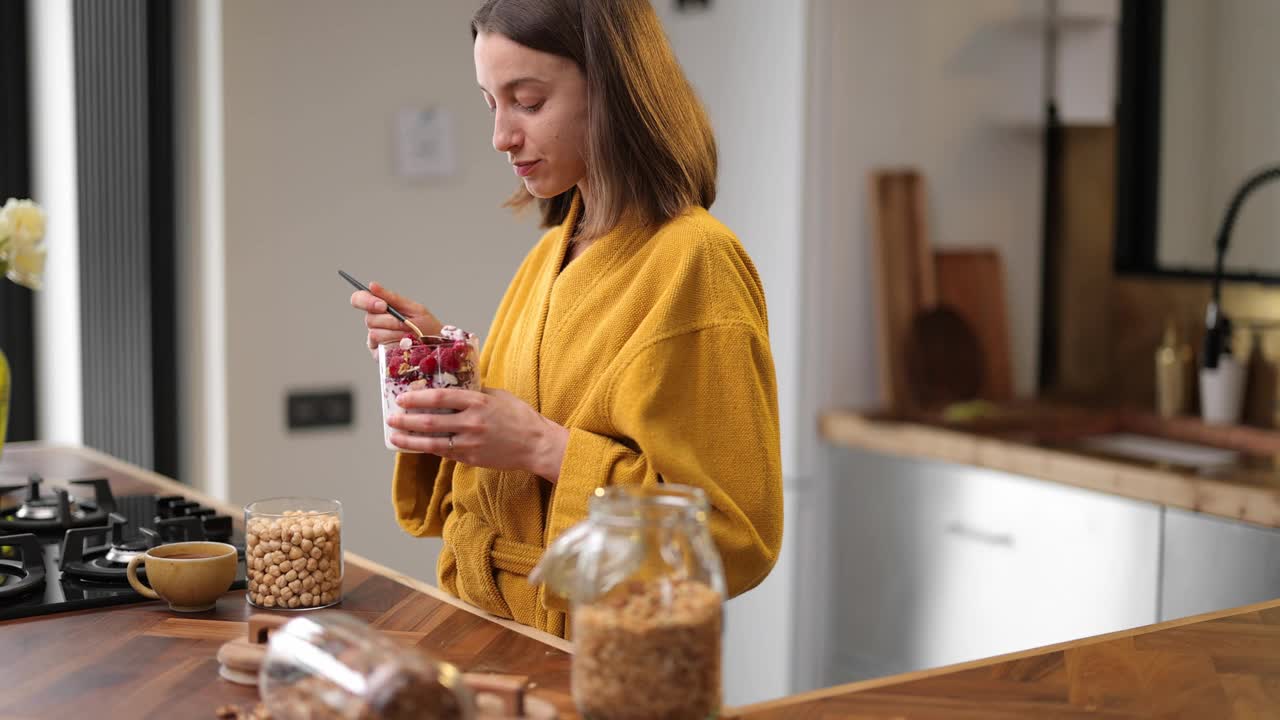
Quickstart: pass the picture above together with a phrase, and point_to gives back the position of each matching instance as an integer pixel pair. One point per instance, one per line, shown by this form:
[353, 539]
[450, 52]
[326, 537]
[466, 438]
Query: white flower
[26, 267]
[25, 220]
[22, 252]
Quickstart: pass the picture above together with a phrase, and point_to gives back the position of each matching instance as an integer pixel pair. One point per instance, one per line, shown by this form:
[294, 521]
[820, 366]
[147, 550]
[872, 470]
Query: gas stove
[61, 552]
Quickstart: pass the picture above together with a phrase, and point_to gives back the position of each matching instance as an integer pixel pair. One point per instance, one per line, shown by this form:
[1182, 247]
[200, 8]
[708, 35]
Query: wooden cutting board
[904, 271]
[943, 360]
[971, 281]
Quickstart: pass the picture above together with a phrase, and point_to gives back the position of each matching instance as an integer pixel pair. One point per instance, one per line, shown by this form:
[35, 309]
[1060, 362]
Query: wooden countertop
[1045, 443]
[1224, 666]
[141, 660]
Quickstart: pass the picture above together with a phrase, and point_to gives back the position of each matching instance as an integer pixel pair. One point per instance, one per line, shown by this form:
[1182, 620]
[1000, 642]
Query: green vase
[4, 399]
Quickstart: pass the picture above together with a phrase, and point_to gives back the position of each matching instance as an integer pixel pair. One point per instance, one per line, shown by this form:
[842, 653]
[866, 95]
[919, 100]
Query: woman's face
[539, 106]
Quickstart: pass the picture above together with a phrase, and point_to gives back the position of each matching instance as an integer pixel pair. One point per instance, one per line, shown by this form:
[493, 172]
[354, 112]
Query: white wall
[808, 97]
[310, 93]
[1221, 101]
[756, 100]
[53, 162]
[904, 93]
[901, 83]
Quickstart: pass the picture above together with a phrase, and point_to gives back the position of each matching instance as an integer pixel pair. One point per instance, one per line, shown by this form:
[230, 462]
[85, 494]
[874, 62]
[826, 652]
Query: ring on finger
[451, 443]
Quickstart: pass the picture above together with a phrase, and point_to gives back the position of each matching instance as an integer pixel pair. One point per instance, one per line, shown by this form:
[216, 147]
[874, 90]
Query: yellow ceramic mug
[190, 576]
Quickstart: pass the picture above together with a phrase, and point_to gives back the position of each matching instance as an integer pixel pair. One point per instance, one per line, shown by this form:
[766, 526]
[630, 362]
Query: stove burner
[181, 529]
[198, 525]
[105, 562]
[58, 511]
[20, 580]
[122, 554]
[47, 509]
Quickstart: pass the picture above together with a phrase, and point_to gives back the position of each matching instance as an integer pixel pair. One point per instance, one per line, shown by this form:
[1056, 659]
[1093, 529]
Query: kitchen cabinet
[1211, 564]
[935, 563]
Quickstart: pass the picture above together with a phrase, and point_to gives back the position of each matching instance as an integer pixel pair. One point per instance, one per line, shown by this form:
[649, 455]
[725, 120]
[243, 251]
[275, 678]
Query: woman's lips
[524, 169]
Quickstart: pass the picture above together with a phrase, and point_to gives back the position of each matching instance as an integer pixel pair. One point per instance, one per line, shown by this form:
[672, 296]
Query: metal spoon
[394, 312]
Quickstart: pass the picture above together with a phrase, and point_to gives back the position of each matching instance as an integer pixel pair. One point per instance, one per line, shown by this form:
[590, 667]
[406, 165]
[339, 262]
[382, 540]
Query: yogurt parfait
[448, 360]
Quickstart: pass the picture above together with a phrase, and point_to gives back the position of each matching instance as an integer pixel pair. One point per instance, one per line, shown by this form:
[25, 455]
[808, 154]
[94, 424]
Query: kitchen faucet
[1217, 336]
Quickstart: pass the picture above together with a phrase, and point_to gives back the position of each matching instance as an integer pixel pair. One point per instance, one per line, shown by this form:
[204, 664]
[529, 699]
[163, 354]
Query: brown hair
[650, 149]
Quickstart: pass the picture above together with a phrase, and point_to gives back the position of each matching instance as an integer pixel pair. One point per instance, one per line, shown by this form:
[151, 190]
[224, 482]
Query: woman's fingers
[382, 337]
[433, 445]
[450, 398]
[427, 423]
[385, 327]
[383, 322]
[368, 302]
[452, 402]
[396, 300]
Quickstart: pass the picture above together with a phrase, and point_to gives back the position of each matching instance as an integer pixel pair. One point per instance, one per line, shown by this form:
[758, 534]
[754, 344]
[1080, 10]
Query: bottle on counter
[646, 592]
[1173, 372]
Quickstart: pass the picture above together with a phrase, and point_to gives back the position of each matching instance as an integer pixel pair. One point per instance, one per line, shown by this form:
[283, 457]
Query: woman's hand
[492, 429]
[383, 326]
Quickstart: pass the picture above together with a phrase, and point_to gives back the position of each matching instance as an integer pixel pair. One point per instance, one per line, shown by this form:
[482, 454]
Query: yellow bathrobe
[653, 350]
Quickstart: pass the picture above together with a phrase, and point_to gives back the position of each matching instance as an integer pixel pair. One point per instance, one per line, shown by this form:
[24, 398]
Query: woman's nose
[506, 135]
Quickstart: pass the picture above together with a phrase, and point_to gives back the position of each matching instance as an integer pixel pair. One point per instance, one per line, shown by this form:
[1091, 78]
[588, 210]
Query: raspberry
[427, 365]
[449, 360]
[416, 353]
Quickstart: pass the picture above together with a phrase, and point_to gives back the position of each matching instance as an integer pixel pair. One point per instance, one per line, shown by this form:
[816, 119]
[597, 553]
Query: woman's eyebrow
[512, 84]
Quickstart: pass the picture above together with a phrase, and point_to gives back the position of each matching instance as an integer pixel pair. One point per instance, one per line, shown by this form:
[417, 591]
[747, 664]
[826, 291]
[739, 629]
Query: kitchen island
[1224, 666]
[143, 661]
[139, 661]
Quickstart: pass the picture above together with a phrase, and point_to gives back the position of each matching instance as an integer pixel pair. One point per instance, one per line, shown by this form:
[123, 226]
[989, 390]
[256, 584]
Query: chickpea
[294, 561]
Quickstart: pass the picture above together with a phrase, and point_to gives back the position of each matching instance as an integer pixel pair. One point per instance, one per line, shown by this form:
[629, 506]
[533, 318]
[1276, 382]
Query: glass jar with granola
[332, 666]
[645, 589]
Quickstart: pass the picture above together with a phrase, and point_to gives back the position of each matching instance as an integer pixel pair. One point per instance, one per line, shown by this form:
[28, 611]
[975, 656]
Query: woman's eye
[531, 107]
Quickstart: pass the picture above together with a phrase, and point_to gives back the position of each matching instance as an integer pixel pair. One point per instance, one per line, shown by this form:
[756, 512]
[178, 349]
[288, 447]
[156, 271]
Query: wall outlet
[306, 409]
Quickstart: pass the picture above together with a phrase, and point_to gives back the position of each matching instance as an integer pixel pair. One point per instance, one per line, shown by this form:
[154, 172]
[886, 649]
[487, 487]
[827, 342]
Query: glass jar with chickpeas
[293, 553]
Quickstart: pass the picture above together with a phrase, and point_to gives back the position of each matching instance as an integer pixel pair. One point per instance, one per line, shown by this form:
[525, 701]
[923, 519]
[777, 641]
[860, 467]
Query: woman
[631, 346]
